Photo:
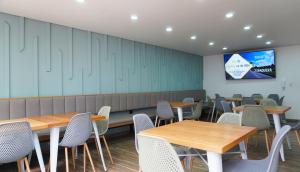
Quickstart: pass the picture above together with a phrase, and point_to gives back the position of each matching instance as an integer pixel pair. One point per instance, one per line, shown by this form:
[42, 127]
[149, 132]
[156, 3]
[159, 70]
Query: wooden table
[179, 106]
[214, 138]
[54, 122]
[276, 111]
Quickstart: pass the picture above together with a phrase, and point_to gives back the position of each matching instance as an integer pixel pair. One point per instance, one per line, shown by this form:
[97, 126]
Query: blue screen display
[250, 65]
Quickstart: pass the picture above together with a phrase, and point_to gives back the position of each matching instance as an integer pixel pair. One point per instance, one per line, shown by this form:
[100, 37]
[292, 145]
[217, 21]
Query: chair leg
[267, 140]
[107, 148]
[158, 124]
[156, 120]
[171, 121]
[19, 165]
[27, 164]
[89, 155]
[67, 160]
[73, 156]
[297, 135]
[84, 160]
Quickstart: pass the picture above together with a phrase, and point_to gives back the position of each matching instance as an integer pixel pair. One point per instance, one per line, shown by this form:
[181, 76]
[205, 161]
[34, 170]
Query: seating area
[149, 86]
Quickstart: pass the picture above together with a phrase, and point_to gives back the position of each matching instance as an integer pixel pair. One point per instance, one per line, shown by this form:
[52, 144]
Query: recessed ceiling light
[224, 48]
[269, 42]
[211, 43]
[134, 17]
[80, 1]
[248, 27]
[259, 36]
[193, 37]
[229, 15]
[169, 29]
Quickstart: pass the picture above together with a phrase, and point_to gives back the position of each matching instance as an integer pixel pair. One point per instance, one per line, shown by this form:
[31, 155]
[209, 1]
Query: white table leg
[54, 137]
[233, 106]
[214, 162]
[38, 151]
[99, 144]
[276, 119]
[180, 113]
[243, 150]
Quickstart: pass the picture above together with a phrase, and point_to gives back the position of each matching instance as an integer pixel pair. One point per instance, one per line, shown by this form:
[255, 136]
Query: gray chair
[280, 102]
[156, 154]
[143, 122]
[15, 143]
[296, 129]
[275, 97]
[255, 116]
[257, 96]
[164, 112]
[103, 128]
[237, 96]
[77, 133]
[268, 102]
[230, 118]
[217, 95]
[188, 110]
[248, 101]
[269, 164]
[218, 107]
[226, 106]
[196, 113]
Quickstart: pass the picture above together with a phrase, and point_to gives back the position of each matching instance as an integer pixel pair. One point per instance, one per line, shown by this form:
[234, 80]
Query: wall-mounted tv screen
[250, 65]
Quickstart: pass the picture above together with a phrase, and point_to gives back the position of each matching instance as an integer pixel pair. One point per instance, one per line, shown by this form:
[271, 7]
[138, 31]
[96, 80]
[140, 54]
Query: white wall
[288, 72]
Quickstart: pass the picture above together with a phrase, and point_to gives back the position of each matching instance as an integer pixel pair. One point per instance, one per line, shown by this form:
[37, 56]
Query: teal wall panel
[43, 59]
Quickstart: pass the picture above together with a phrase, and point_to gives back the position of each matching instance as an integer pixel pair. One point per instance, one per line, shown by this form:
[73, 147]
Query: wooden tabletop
[269, 109]
[50, 121]
[207, 136]
[181, 104]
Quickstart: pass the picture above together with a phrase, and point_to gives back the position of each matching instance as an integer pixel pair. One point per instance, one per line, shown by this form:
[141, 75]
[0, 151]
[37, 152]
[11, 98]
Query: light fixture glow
[259, 36]
[248, 27]
[211, 44]
[224, 48]
[134, 17]
[269, 42]
[169, 29]
[80, 1]
[193, 37]
[229, 15]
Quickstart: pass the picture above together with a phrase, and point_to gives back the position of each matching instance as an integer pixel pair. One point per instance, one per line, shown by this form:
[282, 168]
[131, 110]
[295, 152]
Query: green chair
[257, 96]
[197, 112]
[268, 102]
[255, 116]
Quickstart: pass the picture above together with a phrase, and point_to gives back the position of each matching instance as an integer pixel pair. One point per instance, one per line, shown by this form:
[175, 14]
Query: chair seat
[245, 165]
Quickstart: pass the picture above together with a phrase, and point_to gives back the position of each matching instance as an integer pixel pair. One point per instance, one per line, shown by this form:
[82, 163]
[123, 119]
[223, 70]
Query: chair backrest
[230, 118]
[275, 97]
[164, 110]
[268, 102]
[219, 106]
[273, 156]
[257, 96]
[248, 101]
[281, 101]
[255, 116]
[198, 110]
[78, 130]
[188, 100]
[141, 122]
[226, 106]
[237, 96]
[15, 141]
[103, 124]
[217, 95]
[156, 154]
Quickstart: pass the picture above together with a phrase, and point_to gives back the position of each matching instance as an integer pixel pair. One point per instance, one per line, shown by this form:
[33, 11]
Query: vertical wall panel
[43, 59]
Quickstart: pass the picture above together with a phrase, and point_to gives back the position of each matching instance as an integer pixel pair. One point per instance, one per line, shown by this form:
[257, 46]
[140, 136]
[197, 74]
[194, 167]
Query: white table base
[214, 162]
[99, 144]
[180, 113]
[38, 151]
[54, 138]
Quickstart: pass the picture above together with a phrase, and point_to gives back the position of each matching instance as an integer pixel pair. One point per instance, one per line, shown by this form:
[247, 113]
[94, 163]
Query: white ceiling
[279, 20]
